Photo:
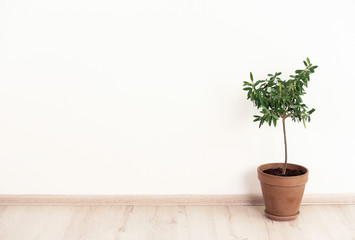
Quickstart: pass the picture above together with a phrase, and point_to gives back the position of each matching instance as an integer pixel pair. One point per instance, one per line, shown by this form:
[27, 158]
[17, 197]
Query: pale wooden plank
[348, 213]
[164, 223]
[248, 222]
[201, 222]
[2, 210]
[48, 222]
[173, 223]
[139, 223]
[183, 224]
[14, 221]
[23, 222]
[223, 223]
[337, 221]
[313, 224]
[77, 221]
[97, 222]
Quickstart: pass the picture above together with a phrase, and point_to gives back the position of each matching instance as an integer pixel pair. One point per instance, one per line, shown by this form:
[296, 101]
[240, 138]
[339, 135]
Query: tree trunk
[284, 128]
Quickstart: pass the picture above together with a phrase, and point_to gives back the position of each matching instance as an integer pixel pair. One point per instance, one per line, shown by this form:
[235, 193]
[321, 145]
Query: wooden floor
[318, 222]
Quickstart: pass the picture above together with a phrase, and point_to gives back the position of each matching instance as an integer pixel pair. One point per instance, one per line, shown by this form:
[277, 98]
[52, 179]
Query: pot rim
[282, 181]
[278, 163]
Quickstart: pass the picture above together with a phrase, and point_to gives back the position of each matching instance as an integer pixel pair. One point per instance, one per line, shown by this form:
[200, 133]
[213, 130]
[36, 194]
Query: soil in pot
[289, 172]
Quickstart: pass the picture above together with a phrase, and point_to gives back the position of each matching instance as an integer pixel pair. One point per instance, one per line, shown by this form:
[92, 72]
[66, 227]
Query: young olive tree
[278, 98]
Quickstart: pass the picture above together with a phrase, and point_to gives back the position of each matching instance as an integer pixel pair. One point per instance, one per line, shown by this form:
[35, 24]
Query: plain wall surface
[145, 97]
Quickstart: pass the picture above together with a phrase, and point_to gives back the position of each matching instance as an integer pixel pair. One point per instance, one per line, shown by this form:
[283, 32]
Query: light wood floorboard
[173, 223]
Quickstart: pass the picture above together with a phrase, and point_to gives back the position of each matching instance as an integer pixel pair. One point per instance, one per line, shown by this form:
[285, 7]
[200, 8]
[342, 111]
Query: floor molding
[246, 200]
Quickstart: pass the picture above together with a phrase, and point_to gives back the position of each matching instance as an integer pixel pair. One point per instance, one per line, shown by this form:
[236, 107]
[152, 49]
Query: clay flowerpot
[282, 195]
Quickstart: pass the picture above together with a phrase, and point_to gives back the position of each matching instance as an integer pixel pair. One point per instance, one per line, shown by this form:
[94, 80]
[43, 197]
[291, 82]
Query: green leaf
[309, 62]
[304, 123]
[269, 120]
[274, 96]
[264, 108]
[311, 111]
[257, 118]
[257, 82]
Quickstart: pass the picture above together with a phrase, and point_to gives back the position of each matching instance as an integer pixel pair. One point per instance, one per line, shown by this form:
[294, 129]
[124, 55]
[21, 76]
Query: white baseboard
[163, 199]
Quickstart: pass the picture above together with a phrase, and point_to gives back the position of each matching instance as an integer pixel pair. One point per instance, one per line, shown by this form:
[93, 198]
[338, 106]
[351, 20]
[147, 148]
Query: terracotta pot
[282, 195]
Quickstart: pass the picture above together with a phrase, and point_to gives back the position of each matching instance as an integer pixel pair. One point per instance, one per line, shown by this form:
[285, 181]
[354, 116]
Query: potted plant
[282, 184]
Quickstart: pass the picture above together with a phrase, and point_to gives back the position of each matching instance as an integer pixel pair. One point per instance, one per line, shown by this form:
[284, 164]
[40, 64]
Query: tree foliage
[277, 98]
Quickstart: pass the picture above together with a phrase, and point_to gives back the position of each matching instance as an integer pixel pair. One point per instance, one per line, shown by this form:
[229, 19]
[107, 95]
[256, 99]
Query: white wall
[145, 97]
